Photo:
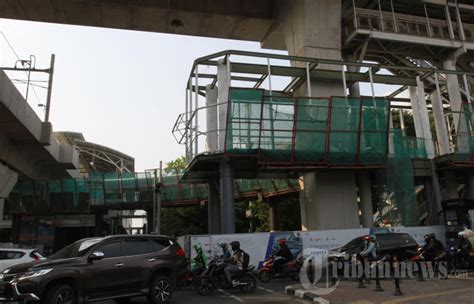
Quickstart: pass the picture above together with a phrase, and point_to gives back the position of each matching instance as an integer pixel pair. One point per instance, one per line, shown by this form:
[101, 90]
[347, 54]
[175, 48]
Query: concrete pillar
[273, 214]
[309, 28]
[450, 185]
[440, 124]
[8, 179]
[149, 221]
[425, 119]
[330, 201]
[212, 139]
[99, 223]
[470, 185]
[223, 80]
[416, 112]
[213, 208]
[454, 91]
[16, 226]
[365, 198]
[227, 197]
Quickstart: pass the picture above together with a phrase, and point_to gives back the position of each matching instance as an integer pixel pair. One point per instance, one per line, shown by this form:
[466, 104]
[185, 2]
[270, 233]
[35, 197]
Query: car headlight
[34, 273]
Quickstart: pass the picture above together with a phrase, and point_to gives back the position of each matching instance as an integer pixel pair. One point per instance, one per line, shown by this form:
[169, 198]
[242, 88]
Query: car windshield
[76, 249]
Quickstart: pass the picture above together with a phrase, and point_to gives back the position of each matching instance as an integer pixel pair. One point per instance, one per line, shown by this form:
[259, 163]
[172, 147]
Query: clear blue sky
[121, 89]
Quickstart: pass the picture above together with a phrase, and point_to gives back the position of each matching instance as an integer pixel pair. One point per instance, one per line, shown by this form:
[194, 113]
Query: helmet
[461, 234]
[235, 245]
[369, 238]
[282, 242]
[427, 237]
[224, 246]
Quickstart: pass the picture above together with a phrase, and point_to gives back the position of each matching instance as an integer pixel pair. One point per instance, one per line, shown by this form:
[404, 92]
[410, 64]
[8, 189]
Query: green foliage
[182, 220]
[179, 163]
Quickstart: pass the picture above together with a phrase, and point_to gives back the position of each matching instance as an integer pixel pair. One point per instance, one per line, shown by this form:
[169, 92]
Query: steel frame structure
[187, 132]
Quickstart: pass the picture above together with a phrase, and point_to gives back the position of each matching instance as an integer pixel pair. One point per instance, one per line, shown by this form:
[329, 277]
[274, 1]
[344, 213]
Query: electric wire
[18, 58]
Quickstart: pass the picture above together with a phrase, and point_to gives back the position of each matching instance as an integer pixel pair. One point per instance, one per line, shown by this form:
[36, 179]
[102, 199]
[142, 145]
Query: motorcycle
[214, 278]
[289, 270]
[456, 259]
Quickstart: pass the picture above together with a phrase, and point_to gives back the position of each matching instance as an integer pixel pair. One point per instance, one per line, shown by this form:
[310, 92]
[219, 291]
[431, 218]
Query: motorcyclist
[462, 246]
[225, 251]
[284, 254]
[432, 247]
[370, 249]
[236, 262]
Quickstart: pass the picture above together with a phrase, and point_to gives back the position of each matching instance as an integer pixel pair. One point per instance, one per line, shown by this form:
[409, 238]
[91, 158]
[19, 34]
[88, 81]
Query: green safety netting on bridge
[113, 190]
[397, 197]
[464, 152]
[333, 131]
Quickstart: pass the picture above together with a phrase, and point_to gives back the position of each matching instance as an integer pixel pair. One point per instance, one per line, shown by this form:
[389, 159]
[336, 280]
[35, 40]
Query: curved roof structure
[96, 158]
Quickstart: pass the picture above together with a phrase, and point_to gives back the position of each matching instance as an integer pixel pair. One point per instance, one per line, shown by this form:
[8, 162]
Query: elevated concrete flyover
[27, 144]
[231, 19]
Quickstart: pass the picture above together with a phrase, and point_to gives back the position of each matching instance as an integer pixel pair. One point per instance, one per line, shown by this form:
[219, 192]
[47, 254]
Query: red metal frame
[292, 162]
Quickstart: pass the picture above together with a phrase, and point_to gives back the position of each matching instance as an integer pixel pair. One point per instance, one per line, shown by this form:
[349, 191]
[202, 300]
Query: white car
[14, 256]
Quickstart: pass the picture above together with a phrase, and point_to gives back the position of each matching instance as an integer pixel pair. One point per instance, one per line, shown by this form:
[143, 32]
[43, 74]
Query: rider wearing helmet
[236, 262]
[225, 251]
[370, 250]
[463, 246]
[284, 254]
[432, 247]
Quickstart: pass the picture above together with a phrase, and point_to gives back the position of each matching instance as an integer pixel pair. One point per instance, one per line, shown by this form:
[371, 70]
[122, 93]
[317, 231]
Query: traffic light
[157, 187]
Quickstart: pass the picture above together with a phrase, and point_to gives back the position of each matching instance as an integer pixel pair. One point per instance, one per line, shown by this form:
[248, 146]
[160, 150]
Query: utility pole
[158, 201]
[50, 87]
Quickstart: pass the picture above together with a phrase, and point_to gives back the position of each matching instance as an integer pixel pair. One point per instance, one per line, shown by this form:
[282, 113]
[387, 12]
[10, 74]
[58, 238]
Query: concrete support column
[99, 223]
[223, 80]
[330, 201]
[470, 185]
[213, 208]
[454, 91]
[416, 112]
[309, 28]
[440, 124]
[227, 197]
[365, 198]
[16, 225]
[430, 204]
[8, 179]
[450, 185]
[212, 139]
[425, 119]
[273, 214]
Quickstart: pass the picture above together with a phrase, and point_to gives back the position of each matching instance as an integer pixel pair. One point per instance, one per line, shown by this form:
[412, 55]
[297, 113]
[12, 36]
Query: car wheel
[161, 290]
[123, 300]
[61, 294]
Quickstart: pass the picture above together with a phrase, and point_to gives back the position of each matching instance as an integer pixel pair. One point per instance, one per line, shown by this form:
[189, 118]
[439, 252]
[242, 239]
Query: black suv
[116, 267]
[401, 245]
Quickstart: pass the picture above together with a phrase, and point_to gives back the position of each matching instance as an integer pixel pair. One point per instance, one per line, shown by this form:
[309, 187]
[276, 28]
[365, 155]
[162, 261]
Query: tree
[183, 220]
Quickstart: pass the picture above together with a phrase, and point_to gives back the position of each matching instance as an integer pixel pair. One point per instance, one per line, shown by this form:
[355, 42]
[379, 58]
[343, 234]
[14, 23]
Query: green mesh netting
[465, 134]
[279, 129]
[112, 189]
[396, 188]
[242, 134]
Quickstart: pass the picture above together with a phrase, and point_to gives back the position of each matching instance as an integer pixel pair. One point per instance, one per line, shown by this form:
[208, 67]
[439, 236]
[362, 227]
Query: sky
[122, 89]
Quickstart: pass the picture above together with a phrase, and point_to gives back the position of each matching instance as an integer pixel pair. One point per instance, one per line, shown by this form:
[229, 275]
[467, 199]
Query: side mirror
[96, 255]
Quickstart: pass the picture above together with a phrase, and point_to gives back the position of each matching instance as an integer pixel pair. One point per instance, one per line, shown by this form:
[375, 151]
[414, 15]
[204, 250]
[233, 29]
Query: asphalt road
[273, 292]
[450, 291]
